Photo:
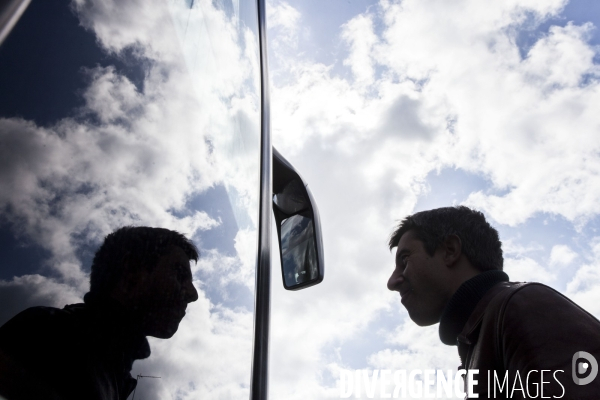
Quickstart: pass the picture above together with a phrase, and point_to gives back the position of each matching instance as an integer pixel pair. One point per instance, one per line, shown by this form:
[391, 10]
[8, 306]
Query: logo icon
[580, 368]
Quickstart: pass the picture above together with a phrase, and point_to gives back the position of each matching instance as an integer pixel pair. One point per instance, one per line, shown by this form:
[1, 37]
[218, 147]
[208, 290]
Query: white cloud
[284, 23]
[526, 269]
[238, 269]
[561, 256]
[514, 248]
[118, 26]
[543, 125]
[32, 290]
[209, 356]
[562, 58]
[415, 348]
[246, 243]
[358, 33]
[420, 348]
[583, 287]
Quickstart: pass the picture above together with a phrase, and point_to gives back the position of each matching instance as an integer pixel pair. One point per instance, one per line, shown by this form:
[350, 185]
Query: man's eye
[403, 260]
[181, 272]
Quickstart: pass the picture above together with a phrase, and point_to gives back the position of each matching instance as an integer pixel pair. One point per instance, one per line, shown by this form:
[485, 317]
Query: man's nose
[395, 281]
[191, 294]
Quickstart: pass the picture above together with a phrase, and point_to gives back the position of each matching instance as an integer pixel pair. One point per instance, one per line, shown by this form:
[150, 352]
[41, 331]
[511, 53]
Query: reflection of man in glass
[140, 286]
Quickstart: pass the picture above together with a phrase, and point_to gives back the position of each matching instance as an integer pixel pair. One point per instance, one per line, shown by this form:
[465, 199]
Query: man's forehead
[408, 238]
[175, 253]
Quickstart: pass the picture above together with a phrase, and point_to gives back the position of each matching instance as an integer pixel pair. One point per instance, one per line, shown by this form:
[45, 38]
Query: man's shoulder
[518, 309]
[42, 322]
[534, 312]
[43, 312]
[48, 314]
[533, 297]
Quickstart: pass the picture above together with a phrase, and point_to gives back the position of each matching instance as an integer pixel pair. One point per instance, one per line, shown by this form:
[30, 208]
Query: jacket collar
[464, 302]
[468, 333]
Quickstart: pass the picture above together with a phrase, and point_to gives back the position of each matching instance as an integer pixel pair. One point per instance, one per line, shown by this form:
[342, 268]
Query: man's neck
[463, 302]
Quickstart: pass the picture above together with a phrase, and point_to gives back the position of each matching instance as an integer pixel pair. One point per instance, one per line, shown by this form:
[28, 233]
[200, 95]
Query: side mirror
[298, 227]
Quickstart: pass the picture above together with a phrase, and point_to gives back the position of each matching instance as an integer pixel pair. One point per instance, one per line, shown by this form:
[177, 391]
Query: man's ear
[129, 283]
[452, 246]
[130, 275]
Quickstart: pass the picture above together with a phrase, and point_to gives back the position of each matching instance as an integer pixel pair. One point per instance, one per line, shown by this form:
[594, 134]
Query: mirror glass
[299, 256]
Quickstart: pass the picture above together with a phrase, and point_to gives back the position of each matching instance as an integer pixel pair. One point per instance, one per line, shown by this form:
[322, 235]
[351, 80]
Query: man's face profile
[162, 293]
[420, 279]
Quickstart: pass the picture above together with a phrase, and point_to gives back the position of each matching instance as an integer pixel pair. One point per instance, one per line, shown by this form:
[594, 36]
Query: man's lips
[175, 312]
[405, 293]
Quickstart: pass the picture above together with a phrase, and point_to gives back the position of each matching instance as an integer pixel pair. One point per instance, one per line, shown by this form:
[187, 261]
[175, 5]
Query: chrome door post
[259, 382]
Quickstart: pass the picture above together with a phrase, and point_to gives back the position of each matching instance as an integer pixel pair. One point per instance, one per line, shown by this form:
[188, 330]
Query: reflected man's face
[420, 279]
[165, 292]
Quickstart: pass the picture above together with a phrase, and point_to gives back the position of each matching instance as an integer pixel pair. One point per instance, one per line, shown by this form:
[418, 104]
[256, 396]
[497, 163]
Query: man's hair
[480, 242]
[139, 246]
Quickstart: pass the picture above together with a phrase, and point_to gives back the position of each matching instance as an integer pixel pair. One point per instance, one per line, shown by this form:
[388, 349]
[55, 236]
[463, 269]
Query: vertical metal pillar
[10, 12]
[259, 383]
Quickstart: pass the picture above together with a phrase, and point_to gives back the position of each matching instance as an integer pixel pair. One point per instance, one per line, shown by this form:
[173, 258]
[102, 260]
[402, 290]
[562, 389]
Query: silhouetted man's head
[438, 250]
[148, 271]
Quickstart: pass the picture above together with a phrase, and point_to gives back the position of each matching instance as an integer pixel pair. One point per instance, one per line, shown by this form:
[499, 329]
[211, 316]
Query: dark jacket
[520, 329]
[83, 351]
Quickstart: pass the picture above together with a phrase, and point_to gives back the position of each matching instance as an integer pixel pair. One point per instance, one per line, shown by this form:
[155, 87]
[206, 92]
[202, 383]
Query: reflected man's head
[437, 251]
[148, 271]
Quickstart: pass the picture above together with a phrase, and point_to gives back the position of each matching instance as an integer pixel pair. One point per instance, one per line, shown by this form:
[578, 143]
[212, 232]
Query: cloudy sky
[388, 108]
[385, 108]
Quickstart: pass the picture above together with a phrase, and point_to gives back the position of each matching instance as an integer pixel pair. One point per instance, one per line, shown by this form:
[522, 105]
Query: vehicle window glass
[136, 113]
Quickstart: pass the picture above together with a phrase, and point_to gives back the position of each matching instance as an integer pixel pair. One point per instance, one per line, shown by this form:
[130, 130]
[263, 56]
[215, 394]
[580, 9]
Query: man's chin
[422, 320]
[165, 331]
[163, 334]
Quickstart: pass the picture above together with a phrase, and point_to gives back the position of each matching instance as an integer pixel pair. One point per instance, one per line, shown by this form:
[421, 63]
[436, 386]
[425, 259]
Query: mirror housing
[298, 227]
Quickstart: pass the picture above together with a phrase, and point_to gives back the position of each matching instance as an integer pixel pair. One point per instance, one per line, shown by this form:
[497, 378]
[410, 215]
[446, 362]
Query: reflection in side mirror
[298, 253]
[298, 227]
